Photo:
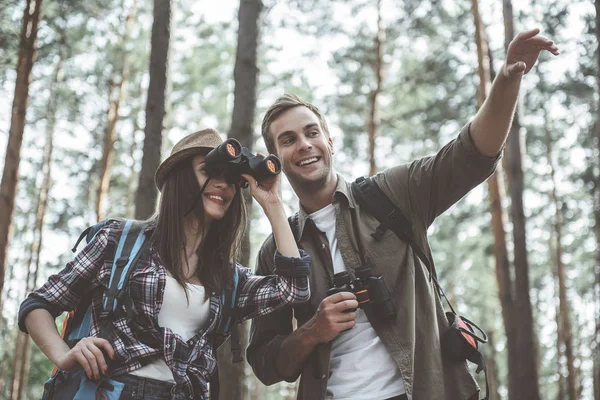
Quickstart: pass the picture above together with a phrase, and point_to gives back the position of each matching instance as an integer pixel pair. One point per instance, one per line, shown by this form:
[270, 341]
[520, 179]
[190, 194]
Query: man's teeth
[309, 161]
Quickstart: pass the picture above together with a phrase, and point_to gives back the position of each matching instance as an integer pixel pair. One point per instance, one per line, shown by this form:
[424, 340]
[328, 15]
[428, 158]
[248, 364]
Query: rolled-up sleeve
[433, 184]
[261, 295]
[268, 332]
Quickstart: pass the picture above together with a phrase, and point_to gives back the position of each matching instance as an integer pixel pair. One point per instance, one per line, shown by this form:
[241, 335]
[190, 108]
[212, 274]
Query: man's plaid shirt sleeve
[260, 295]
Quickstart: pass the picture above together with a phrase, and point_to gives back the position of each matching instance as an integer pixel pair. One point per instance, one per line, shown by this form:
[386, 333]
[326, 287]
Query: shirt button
[323, 246]
[323, 376]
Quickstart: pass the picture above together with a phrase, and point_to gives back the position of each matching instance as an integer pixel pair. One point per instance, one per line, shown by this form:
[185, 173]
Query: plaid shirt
[141, 340]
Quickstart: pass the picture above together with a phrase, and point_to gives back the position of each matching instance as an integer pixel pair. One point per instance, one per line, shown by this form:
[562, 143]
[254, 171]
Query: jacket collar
[342, 192]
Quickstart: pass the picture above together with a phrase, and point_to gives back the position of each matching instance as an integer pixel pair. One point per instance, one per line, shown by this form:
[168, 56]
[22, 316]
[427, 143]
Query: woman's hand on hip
[89, 353]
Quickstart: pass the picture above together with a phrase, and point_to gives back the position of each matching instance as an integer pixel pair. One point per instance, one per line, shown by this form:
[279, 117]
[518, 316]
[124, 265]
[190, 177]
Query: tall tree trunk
[596, 350]
[561, 391]
[496, 196]
[117, 92]
[527, 347]
[374, 114]
[8, 185]
[564, 308]
[145, 201]
[559, 353]
[131, 181]
[23, 347]
[245, 75]
[492, 367]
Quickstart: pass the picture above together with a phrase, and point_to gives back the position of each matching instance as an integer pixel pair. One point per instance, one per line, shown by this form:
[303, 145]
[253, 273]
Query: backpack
[459, 342]
[131, 244]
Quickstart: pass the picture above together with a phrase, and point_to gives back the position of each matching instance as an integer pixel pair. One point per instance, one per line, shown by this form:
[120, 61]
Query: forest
[93, 94]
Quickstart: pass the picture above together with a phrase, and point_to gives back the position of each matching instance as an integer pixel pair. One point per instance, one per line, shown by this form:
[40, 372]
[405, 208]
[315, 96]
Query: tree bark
[145, 201]
[564, 309]
[492, 367]
[23, 344]
[245, 75]
[374, 114]
[8, 185]
[496, 197]
[526, 341]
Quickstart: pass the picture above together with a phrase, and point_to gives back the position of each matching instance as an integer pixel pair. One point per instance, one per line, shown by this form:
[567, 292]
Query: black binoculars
[231, 160]
[370, 291]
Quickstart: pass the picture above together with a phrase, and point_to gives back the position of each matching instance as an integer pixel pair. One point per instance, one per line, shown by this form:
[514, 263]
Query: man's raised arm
[492, 122]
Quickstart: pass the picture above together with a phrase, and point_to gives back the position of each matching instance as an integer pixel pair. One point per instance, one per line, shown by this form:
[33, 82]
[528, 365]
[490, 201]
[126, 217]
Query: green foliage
[10, 17]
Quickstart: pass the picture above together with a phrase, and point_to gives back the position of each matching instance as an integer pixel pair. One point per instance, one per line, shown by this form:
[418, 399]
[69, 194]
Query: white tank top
[182, 318]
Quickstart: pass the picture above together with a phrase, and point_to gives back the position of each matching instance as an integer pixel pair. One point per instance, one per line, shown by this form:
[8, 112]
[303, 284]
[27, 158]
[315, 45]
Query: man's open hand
[524, 50]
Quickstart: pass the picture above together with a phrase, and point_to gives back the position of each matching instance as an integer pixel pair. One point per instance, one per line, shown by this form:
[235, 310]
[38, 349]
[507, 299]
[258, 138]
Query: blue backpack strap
[81, 322]
[131, 243]
[129, 248]
[228, 323]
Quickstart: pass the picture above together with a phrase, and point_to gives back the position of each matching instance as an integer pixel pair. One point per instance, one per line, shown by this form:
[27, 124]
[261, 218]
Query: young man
[345, 354]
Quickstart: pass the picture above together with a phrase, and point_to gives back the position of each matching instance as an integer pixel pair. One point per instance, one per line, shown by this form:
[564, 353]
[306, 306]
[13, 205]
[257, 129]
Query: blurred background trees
[93, 94]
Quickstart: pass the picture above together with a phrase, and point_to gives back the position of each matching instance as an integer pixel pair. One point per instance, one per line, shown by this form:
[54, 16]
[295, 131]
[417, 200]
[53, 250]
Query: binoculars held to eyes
[231, 160]
[370, 291]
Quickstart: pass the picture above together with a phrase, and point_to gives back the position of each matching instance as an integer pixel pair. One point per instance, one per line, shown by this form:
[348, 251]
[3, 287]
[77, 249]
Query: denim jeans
[137, 388]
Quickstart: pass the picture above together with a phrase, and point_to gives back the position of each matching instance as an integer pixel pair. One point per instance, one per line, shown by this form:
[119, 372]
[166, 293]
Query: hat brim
[170, 162]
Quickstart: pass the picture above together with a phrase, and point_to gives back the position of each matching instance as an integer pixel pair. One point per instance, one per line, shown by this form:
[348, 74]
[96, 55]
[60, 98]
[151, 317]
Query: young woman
[167, 348]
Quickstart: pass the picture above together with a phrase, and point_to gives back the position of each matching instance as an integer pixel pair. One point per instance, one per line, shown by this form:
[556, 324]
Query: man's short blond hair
[282, 104]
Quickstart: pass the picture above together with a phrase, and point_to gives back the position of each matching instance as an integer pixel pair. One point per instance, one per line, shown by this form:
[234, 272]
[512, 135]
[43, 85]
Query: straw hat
[190, 145]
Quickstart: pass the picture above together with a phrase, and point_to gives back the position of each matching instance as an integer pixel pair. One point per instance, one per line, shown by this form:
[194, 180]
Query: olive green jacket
[423, 190]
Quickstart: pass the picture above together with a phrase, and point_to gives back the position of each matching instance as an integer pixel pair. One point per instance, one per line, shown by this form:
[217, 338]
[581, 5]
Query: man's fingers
[346, 305]
[341, 296]
[346, 317]
[528, 34]
[516, 68]
[347, 325]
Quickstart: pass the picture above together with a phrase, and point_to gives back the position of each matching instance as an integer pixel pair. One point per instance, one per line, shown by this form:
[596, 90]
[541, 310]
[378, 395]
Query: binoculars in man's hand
[231, 160]
[370, 290]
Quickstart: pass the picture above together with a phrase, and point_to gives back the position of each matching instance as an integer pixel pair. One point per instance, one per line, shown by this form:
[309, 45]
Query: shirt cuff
[466, 142]
[32, 303]
[292, 266]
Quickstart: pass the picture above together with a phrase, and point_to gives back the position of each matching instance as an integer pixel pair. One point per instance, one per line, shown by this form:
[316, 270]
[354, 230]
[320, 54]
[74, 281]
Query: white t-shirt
[182, 318]
[360, 366]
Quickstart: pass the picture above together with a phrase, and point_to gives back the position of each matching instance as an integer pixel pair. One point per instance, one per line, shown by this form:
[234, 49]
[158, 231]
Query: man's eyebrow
[312, 125]
[284, 134]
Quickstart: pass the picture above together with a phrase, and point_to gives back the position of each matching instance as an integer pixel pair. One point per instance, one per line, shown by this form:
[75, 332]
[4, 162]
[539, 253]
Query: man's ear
[330, 142]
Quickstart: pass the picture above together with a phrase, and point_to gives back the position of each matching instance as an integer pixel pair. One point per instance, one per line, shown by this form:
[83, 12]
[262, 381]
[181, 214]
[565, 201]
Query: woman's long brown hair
[220, 244]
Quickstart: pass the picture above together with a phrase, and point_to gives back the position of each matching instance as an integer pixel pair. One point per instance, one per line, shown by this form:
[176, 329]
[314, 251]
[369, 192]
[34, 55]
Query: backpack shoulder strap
[131, 243]
[129, 248]
[78, 322]
[228, 323]
[370, 196]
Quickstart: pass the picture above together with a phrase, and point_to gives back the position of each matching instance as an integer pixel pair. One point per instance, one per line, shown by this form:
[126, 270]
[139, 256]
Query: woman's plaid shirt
[141, 340]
